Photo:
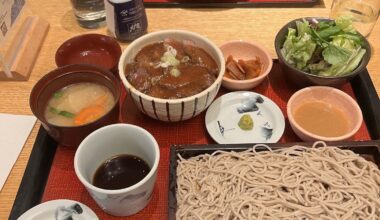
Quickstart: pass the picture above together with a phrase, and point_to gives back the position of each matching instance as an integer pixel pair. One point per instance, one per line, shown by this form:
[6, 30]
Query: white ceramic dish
[49, 210]
[172, 110]
[223, 115]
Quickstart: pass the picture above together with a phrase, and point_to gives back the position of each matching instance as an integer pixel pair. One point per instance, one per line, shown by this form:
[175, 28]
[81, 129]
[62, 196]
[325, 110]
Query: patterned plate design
[225, 114]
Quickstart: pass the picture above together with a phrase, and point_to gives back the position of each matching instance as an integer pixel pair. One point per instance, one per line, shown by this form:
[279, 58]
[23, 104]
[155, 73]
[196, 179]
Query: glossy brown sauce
[120, 172]
[322, 118]
[194, 70]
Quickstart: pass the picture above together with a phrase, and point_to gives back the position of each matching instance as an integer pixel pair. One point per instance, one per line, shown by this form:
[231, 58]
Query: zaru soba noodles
[290, 183]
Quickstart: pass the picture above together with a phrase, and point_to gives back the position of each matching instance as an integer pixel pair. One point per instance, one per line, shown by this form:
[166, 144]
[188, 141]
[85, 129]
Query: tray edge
[35, 175]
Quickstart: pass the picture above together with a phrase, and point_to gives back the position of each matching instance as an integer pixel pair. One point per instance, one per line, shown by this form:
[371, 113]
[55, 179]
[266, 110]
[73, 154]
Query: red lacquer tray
[50, 174]
[228, 3]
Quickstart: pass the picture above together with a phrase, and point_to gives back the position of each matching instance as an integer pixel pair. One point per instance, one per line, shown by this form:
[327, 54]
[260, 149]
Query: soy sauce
[120, 172]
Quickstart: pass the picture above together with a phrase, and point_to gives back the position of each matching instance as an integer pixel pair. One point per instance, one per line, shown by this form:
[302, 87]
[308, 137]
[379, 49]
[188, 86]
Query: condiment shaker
[126, 19]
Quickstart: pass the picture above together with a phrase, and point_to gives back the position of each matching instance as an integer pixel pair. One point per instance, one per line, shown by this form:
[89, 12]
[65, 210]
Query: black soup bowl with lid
[301, 78]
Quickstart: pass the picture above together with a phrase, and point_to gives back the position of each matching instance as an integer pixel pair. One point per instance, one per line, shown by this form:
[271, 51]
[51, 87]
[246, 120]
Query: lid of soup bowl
[61, 209]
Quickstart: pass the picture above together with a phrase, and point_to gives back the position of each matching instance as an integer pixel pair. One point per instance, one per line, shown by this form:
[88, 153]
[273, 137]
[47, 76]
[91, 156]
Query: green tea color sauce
[322, 119]
[120, 172]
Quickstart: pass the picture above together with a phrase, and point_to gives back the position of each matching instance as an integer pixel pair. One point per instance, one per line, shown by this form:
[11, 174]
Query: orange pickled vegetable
[243, 69]
[89, 114]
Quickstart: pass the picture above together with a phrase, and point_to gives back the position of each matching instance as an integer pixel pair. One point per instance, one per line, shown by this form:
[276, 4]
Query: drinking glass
[363, 12]
[89, 13]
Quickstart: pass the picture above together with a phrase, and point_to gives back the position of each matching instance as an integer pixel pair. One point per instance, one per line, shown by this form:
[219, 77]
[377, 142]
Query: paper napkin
[14, 130]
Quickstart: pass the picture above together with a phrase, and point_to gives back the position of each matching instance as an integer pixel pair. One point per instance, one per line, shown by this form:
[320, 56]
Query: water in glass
[89, 13]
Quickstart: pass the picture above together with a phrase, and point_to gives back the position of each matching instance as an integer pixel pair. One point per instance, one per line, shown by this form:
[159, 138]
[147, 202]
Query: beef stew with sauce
[172, 69]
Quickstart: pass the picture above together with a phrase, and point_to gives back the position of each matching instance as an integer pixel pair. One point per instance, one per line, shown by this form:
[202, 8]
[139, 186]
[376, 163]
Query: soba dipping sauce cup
[65, 76]
[109, 142]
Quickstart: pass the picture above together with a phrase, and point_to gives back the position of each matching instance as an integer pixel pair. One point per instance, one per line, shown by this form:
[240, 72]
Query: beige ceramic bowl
[330, 95]
[172, 109]
[246, 50]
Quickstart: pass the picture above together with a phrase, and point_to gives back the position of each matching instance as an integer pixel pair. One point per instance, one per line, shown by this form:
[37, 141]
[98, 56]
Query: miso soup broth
[79, 104]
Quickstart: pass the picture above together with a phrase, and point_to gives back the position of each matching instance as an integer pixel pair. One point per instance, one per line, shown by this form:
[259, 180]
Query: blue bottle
[126, 19]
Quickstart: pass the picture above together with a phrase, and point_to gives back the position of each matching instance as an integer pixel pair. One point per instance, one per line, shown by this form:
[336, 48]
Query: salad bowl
[301, 77]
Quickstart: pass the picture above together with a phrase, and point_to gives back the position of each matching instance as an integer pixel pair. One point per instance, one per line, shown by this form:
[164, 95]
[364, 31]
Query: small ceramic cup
[108, 142]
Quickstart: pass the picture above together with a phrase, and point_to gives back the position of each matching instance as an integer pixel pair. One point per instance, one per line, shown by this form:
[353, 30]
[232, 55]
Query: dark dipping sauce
[172, 69]
[120, 172]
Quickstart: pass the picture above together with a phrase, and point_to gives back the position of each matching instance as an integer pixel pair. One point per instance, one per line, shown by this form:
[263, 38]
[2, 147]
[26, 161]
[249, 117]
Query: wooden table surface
[219, 25]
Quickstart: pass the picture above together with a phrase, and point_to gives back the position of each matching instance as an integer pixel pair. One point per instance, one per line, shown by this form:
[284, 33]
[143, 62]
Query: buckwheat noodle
[298, 182]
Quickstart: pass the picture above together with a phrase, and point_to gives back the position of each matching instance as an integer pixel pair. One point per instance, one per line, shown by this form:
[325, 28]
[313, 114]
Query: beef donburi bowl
[172, 75]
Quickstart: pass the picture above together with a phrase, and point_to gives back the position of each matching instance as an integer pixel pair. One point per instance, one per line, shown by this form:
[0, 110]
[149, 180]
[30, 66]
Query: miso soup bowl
[62, 77]
[172, 110]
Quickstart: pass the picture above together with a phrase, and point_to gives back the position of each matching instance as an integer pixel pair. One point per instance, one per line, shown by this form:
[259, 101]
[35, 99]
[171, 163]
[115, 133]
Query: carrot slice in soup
[89, 114]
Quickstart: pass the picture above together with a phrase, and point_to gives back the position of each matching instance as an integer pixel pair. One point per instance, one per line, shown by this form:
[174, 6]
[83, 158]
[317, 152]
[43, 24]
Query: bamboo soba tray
[50, 173]
[370, 150]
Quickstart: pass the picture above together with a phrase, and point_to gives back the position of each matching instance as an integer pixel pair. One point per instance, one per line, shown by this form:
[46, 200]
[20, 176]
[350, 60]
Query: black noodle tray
[370, 150]
[37, 170]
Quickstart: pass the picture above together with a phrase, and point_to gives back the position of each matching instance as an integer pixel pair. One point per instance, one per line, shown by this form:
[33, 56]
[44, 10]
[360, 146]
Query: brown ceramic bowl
[64, 76]
[96, 49]
[301, 78]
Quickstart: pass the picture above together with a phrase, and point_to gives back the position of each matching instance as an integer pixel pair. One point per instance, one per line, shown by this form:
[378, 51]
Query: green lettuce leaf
[345, 23]
[348, 66]
[334, 54]
[347, 41]
[315, 68]
[339, 47]
[302, 28]
[326, 33]
[298, 49]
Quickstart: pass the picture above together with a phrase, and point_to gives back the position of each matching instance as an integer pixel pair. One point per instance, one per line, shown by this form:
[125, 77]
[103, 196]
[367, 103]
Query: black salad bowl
[303, 79]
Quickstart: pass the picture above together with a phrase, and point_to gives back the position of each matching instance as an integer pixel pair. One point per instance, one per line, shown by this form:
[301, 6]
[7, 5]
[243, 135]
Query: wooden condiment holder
[25, 46]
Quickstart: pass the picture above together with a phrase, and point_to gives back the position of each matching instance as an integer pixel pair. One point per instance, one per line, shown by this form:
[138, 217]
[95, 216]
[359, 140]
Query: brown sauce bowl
[62, 77]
